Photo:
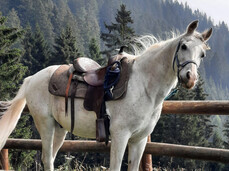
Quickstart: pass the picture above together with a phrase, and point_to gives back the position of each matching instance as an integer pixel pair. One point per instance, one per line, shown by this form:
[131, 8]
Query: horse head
[189, 53]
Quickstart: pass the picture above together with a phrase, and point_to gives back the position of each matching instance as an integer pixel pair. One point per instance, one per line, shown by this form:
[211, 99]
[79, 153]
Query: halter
[180, 66]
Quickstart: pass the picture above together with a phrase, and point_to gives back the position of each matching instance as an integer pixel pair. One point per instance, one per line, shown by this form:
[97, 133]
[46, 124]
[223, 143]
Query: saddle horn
[122, 48]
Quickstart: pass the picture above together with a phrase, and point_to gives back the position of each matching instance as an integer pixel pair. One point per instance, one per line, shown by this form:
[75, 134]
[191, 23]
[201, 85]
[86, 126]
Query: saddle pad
[121, 87]
[59, 80]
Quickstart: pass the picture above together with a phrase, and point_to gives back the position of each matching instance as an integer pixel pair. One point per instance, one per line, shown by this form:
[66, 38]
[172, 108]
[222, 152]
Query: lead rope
[172, 93]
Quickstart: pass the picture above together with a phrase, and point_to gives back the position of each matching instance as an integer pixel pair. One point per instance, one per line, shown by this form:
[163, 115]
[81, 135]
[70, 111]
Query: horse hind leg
[46, 128]
[59, 137]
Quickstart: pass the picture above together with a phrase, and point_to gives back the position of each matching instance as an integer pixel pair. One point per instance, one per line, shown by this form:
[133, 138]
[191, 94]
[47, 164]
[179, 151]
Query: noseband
[180, 66]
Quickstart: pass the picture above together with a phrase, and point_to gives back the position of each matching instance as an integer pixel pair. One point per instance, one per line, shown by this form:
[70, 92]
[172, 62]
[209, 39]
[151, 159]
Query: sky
[217, 9]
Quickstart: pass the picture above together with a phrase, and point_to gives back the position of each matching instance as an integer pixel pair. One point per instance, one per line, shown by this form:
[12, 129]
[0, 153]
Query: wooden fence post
[146, 162]
[4, 159]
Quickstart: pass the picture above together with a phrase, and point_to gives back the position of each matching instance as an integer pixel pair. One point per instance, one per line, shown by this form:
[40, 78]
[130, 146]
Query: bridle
[180, 66]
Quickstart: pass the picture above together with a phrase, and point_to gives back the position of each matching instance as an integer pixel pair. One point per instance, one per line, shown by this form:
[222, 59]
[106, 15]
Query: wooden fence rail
[196, 107]
[183, 151]
[191, 107]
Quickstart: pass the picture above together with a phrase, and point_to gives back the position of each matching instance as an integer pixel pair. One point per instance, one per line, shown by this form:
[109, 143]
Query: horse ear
[192, 27]
[207, 34]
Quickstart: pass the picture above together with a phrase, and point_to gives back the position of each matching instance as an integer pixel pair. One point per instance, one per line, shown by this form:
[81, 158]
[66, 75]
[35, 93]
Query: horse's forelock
[200, 39]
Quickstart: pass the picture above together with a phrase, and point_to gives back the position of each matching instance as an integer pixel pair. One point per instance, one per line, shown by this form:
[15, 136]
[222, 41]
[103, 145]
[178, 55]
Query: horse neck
[156, 65]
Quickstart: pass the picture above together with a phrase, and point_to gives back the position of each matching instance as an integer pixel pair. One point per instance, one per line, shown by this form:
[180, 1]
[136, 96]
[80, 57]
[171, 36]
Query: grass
[78, 166]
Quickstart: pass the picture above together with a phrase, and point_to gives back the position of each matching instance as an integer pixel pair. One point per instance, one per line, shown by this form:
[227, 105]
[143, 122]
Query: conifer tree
[226, 141]
[204, 123]
[28, 42]
[42, 52]
[37, 51]
[199, 90]
[94, 51]
[20, 159]
[86, 16]
[119, 33]
[226, 132]
[217, 142]
[65, 48]
[13, 19]
[11, 70]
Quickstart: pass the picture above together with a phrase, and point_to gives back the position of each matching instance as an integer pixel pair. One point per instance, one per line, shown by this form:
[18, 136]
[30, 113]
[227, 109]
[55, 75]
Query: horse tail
[10, 112]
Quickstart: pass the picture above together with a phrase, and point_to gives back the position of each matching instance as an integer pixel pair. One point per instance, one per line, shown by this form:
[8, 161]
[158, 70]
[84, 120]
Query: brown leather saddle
[85, 79]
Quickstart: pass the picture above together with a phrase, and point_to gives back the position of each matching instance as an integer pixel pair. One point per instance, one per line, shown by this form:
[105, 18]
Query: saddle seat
[89, 71]
[84, 64]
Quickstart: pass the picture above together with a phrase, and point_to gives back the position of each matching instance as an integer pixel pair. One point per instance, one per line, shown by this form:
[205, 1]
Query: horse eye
[183, 47]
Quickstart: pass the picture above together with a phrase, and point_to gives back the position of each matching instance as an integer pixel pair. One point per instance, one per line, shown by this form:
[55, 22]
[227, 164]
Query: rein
[180, 66]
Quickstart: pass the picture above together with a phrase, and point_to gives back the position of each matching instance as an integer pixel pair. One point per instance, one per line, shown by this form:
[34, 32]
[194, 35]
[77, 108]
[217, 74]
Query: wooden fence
[169, 107]
[183, 151]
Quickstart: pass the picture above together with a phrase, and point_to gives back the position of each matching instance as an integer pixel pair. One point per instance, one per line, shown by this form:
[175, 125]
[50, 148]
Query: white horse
[155, 72]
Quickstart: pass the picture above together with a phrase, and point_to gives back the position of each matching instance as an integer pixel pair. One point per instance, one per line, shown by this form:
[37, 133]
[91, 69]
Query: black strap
[103, 114]
[186, 63]
[176, 55]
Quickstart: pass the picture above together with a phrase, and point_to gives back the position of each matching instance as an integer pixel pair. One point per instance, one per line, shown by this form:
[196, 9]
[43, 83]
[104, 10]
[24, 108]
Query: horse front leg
[135, 152]
[119, 140]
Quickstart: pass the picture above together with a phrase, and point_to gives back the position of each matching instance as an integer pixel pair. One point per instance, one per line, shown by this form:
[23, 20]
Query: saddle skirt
[59, 80]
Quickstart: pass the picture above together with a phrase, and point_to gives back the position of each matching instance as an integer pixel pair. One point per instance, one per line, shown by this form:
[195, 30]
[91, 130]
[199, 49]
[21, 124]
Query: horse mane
[144, 42]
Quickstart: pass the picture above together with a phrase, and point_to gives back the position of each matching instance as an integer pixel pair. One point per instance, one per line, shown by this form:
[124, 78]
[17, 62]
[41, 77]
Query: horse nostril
[188, 75]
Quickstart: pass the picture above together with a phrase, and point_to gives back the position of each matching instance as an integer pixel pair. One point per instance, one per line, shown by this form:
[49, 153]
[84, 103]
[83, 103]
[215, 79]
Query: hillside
[155, 17]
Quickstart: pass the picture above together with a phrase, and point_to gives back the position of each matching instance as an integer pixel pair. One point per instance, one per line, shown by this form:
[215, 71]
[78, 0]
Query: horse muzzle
[188, 80]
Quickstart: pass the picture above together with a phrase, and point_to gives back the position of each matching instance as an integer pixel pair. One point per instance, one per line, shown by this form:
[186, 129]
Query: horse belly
[84, 123]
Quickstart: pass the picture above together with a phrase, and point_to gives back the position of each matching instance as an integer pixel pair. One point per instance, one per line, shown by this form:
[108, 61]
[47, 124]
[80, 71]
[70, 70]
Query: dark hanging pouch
[100, 130]
[101, 133]
[107, 127]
